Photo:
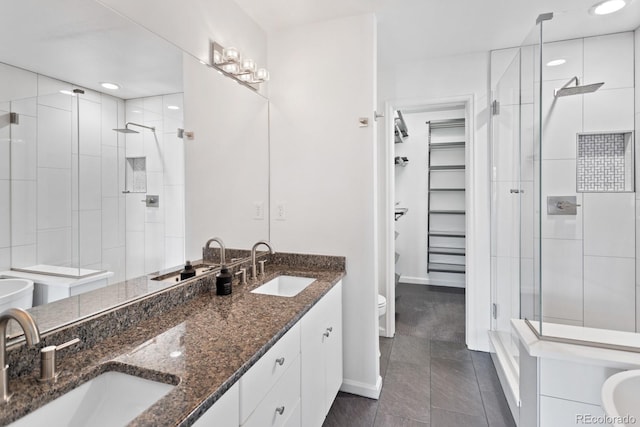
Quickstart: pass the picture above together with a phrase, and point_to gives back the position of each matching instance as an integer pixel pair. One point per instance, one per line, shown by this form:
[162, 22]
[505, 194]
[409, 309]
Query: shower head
[127, 130]
[577, 89]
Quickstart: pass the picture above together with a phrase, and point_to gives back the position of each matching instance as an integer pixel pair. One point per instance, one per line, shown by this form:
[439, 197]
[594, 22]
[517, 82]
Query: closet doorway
[427, 197]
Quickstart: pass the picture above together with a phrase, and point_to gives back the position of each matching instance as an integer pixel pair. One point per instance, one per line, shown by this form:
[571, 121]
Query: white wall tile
[23, 149]
[153, 110]
[135, 210]
[90, 182]
[527, 144]
[573, 381]
[110, 169]
[508, 273]
[155, 188]
[54, 138]
[54, 198]
[135, 254]
[562, 120]
[5, 213]
[122, 220]
[562, 293]
[174, 251]
[505, 152]
[16, 83]
[90, 237]
[49, 93]
[110, 222]
[90, 128]
[5, 258]
[114, 259]
[609, 59]
[5, 152]
[109, 120]
[27, 107]
[153, 148]
[154, 247]
[134, 144]
[571, 52]
[506, 214]
[174, 160]
[559, 179]
[609, 110]
[174, 211]
[609, 224]
[23, 212]
[23, 256]
[609, 293]
[55, 246]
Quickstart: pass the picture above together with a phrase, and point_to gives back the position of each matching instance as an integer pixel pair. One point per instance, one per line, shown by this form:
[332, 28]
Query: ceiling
[84, 43]
[419, 29]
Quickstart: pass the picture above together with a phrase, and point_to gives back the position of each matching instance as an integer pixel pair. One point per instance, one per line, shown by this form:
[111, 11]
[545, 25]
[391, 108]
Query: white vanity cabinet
[223, 413]
[321, 355]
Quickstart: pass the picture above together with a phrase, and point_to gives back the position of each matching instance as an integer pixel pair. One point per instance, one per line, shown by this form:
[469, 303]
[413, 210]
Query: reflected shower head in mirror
[566, 90]
[127, 130]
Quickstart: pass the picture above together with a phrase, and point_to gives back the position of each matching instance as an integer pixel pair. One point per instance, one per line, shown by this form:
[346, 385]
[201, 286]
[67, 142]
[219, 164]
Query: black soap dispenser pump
[188, 271]
[223, 281]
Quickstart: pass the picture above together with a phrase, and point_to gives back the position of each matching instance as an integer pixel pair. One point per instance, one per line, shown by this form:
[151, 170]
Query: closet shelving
[401, 131]
[446, 210]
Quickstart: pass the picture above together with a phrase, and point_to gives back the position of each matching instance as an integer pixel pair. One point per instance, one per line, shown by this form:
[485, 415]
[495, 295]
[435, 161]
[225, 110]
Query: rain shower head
[577, 89]
[127, 130]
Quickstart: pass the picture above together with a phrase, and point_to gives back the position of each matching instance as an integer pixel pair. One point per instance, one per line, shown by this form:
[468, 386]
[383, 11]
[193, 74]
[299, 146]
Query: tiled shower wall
[39, 209]
[588, 260]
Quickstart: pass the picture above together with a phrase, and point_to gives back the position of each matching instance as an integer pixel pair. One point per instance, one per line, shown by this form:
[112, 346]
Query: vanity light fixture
[110, 86]
[608, 6]
[230, 62]
[556, 62]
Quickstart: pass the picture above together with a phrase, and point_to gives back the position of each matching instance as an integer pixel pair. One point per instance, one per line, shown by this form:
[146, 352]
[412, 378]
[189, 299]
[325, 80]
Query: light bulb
[262, 75]
[248, 65]
[232, 54]
[607, 7]
[231, 68]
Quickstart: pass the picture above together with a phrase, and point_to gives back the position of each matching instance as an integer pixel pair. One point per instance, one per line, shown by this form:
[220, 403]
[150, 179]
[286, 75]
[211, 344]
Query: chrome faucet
[222, 248]
[31, 334]
[254, 270]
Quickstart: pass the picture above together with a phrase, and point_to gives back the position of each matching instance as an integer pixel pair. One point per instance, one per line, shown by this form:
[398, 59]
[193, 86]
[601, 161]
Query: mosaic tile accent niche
[605, 162]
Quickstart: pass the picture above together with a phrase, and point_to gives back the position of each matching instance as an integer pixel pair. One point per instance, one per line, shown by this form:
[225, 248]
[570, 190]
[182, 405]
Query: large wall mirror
[93, 185]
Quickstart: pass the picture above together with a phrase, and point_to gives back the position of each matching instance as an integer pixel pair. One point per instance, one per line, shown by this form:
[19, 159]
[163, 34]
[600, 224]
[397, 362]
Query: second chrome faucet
[254, 270]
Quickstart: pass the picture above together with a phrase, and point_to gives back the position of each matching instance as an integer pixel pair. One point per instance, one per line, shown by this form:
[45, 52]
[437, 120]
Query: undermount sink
[284, 286]
[110, 399]
[620, 398]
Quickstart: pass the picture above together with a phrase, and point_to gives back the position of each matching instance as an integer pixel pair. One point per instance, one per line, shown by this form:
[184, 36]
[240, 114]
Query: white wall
[637, 126]
[192, 25]
[442, 78]
[323, 167]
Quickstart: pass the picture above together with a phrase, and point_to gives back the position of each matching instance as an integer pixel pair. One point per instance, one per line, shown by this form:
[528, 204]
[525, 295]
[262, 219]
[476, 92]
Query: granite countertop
[203, 345]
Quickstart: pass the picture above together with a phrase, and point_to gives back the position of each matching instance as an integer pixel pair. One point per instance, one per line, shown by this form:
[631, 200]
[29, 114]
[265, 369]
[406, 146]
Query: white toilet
[382, 305]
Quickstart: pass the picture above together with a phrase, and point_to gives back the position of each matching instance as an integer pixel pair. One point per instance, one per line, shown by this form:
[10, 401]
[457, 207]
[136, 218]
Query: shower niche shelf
[605, 162]
[135, 180]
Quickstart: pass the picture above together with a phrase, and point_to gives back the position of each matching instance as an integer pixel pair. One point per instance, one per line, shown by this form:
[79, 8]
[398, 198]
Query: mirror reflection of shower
[127, 130]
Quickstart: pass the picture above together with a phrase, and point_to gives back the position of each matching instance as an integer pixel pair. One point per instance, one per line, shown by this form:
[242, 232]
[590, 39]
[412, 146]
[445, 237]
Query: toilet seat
[382, 305]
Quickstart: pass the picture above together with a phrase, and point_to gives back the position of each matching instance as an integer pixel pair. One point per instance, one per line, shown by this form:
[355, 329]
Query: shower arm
[152, 128]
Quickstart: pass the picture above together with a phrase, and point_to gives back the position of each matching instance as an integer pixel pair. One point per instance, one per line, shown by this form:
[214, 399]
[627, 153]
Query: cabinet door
[333, 344]
[223, 413]
[313, 327]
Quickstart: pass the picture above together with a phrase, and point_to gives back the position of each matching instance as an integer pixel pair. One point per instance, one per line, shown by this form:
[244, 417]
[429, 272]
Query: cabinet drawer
[285, 395]
[223, 413]
[258, 380]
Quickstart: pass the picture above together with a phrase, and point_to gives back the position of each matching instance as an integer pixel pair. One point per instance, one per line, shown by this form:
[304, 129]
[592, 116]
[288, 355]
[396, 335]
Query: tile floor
[429, 376]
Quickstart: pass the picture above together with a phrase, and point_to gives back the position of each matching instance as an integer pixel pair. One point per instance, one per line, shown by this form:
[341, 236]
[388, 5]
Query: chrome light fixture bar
[230, 62]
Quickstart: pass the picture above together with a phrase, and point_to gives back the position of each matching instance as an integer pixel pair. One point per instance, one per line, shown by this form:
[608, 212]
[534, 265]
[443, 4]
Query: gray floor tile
[442, 418]
[486, 372]
[385, 352]
[386, 420]
[351, 410]
[450, 350]
[410, 349]
[454, 387]
[497, 409]
[406, 391]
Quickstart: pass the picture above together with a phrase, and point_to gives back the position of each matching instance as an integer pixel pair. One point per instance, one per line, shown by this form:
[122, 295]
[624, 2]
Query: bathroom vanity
[239, 359]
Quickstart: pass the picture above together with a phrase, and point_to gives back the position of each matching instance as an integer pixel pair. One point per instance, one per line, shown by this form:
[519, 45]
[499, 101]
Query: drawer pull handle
[330, 329]
[326, 334]
[280, 410]
[280, 361]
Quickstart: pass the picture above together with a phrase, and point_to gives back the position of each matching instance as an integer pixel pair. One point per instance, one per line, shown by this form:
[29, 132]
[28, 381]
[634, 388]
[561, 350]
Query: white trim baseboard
[362, 389]
[435, 282]
[507, 374]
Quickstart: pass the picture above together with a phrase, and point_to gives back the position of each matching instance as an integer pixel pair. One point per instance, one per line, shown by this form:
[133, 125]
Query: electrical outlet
[281, 211]
[258, 210]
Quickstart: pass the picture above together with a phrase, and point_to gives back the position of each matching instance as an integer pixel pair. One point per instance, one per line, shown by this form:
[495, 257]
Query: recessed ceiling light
[608, 6]
[173, 107]
[66, 92]
[556, 62]
[110, 86]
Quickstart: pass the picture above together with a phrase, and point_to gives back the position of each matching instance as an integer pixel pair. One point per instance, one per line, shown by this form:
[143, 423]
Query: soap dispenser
[188, 271]
[223, 281]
